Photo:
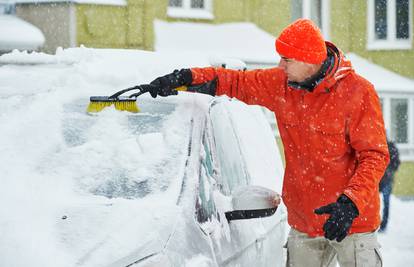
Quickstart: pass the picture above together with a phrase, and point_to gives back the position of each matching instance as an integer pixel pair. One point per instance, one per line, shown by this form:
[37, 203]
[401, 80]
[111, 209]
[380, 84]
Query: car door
[264, 166]
[245, 242]
[232, 245]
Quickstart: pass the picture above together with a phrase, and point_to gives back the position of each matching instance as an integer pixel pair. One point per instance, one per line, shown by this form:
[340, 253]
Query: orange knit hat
[303, 41]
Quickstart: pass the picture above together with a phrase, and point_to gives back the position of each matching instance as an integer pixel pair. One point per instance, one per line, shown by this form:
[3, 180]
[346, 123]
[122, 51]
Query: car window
[232, 169]
[205, 207]
[256, 141]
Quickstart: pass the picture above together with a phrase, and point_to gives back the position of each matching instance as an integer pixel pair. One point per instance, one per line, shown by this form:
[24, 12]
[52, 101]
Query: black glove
[165, 85]
[343, 212]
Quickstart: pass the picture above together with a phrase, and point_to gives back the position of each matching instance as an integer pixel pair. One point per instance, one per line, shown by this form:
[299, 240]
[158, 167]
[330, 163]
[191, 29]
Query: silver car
[193, 192]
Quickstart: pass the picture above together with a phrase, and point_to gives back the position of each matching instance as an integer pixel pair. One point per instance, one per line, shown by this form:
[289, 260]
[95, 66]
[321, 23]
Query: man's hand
[165, 85]
[342, 214]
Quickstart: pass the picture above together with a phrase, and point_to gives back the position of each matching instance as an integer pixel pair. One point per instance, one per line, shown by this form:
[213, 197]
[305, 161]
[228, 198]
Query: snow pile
[16, 33]
[26, 58]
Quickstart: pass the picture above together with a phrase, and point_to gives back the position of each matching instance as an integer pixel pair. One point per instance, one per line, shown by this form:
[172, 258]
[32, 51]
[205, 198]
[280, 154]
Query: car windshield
[121, 154]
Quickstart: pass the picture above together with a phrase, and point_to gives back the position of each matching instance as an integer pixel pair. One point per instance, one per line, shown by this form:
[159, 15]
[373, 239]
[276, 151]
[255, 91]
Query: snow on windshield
[115, 154]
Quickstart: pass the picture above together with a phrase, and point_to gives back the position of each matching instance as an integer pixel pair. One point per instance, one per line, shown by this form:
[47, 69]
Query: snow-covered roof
[16, 33]
[244, 41]
[92, 2]
[384, 80]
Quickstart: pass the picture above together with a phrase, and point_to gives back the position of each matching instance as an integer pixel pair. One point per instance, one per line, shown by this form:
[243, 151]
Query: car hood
[104, 232]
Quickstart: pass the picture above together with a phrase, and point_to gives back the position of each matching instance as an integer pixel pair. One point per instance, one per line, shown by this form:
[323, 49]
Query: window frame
[407, 149]
[186, 11]
[325, 12]
[391, 43]
[392, 128]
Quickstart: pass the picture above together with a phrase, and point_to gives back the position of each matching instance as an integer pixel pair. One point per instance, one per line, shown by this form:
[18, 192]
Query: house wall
[45, 16]
[270, 15]
[349, 29]
[230, 11]
[340, 27]
[128, 26]
[101, 26]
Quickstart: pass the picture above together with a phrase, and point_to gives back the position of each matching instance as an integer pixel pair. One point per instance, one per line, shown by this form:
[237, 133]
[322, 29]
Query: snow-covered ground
[397, 243]
[34, 92]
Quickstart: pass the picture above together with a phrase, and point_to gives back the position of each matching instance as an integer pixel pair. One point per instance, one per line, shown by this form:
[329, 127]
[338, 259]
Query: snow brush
[122, 103]
[128, 103]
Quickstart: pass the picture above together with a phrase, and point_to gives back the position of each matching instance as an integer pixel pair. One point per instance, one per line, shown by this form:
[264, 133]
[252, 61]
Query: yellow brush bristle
[130, 106]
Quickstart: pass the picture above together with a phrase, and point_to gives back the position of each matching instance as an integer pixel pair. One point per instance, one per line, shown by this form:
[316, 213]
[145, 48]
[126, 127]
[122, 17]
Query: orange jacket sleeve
[367, 137]
[254, 87]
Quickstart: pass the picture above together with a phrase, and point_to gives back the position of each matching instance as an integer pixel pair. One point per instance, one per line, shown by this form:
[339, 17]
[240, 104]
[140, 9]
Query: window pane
[316, 12]
[208, 158]
[399, 120]
[176, 3]
[380, 19]
[229, 156]
[205, 207]
[402, 10]
[197, 3]
[297, 11]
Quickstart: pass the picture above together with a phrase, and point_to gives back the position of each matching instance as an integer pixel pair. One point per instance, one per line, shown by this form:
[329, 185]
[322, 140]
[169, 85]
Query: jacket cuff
[187, 76]
[353, 199]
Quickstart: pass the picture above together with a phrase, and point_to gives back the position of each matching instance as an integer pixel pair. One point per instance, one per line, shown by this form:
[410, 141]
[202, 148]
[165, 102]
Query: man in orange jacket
[331, 125]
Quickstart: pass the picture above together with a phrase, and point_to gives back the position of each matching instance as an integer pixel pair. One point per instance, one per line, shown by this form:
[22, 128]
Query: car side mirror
[251, 202]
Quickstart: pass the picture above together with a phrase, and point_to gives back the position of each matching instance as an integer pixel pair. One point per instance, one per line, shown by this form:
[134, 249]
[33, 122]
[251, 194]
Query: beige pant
[357, 250]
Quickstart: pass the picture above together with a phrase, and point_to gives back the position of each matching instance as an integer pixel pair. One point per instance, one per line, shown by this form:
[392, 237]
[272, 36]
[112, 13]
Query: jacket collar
[334, 69]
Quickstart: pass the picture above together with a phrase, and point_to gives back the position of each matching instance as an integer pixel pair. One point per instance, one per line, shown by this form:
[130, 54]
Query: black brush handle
[143, 89]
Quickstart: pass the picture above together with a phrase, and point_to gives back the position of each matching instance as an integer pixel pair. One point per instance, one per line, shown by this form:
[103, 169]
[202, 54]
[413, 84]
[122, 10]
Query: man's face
[298, 71]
